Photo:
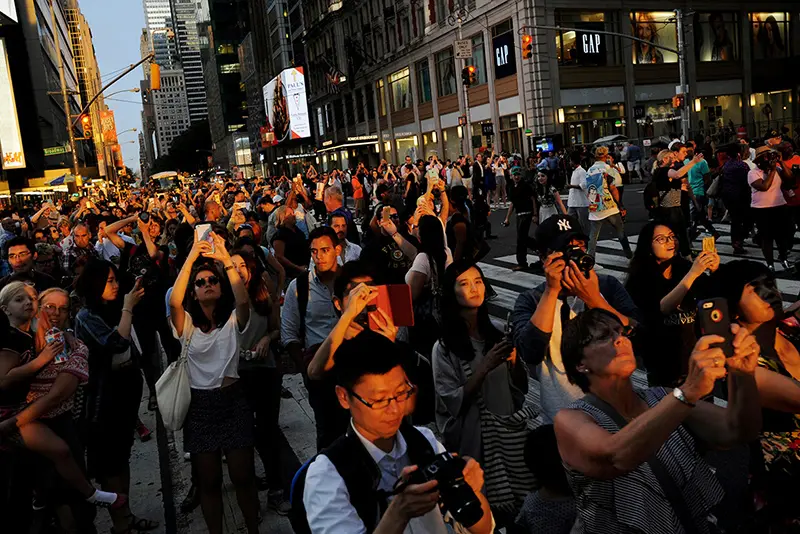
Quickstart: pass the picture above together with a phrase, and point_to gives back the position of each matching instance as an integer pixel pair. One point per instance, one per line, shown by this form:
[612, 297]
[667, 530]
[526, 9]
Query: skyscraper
[189, 53]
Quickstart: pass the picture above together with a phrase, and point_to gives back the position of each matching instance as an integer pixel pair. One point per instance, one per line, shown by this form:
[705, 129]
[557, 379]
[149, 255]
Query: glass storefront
[771, 110]
[567, 42]
[770, 35]
[452, 143]
[511, 134]
[430, 146]
[716, 36]
[585, 124]
[478, 139]
[660, 119]
[718, 113]
[406, 147]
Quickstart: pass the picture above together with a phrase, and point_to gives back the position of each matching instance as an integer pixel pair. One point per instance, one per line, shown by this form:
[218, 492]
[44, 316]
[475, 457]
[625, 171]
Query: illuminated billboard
[286, 106]
[8, 9]
[10, 138]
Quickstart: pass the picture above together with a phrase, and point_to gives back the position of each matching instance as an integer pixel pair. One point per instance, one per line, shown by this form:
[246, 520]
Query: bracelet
[127, 310]
[229, 267]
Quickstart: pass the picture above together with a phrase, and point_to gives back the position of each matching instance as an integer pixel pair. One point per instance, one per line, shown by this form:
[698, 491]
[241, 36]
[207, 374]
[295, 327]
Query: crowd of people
[419, 396]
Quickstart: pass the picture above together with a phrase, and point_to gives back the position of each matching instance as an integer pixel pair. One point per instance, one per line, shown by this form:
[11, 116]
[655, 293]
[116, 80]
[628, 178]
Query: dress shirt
[321, 315]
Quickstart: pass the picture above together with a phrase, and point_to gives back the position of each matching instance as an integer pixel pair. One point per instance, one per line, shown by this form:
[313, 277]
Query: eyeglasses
[50, 308]
[610, 335]
[664, 239]
[384, 403]
[20, 256]
[201, 282]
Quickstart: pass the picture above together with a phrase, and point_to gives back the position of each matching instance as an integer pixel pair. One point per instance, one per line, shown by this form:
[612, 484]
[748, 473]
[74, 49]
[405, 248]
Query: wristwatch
[678, 394]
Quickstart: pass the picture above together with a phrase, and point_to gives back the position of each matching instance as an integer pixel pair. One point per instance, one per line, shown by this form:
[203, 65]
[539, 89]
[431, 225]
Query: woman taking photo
[258, 371]
[619, 444]
[104, 324]
[208, 315]
[480, 384]
[425, 278]
[20, 367]
[665, 288]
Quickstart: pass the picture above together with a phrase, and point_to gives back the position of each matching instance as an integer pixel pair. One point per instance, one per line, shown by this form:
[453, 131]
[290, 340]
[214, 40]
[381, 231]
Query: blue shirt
[696, 173]
[321, 315]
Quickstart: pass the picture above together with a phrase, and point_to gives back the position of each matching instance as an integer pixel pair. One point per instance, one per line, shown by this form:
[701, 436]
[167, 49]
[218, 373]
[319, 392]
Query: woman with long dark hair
[208, 318]
[115, 381]
[665, 287]
[425, 277]
[480, 388]
[259, 373]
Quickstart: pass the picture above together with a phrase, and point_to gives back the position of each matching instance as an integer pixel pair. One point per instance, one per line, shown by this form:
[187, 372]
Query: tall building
[190, 58]
[32, 48]
[89, 81]
[170, 104]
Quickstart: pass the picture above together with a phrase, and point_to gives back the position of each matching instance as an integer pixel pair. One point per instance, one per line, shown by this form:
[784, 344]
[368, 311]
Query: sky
[116, 26]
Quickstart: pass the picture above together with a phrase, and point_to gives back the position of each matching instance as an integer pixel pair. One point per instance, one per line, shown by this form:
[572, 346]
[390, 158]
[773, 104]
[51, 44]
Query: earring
[584, 371]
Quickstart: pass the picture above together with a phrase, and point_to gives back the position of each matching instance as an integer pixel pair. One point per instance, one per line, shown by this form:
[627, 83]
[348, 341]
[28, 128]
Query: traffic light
[527, 46]
[155, 76]
[678, 101]
[469, 75]
[86, 126]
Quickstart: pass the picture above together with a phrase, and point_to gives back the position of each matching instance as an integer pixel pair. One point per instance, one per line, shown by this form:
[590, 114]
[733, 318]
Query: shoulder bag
[173, 391]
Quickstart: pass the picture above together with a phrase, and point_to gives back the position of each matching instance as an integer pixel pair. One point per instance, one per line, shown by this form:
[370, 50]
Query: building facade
[185, 13]
[404, 95]
[170, 109]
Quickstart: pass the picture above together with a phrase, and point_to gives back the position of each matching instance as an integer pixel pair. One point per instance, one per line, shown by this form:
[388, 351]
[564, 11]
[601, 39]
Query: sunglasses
[201, 282]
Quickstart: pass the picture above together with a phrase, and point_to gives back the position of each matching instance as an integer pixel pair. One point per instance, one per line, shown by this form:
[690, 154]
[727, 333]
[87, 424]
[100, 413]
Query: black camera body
[767, 163]
[583, 260]
[455, 495]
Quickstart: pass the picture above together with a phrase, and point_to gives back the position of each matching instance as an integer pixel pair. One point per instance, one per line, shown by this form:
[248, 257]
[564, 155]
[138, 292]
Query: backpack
[651, 196]
[360, 474]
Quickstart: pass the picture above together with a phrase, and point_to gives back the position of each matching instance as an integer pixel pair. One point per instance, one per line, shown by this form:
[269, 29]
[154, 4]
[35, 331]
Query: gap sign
[505, 62]
[590, 46]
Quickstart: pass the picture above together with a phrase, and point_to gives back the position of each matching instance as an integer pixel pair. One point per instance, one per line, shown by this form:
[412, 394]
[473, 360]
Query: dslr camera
[455, 495]
[581, 258]
[767, 161]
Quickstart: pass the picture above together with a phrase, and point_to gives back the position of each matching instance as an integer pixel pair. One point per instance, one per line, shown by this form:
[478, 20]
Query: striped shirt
[77, 365]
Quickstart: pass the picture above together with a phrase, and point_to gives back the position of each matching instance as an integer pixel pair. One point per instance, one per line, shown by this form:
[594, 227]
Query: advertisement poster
[286, 106]
[505, 63]
[108, 126]
[10, 138]
[8, 9]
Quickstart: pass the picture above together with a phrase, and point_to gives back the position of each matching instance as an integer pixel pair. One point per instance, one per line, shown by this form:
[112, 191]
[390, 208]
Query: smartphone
[714, 319]
[240, 206]
[387, 213]
[202, 232]
[709, 245]
[395, 300]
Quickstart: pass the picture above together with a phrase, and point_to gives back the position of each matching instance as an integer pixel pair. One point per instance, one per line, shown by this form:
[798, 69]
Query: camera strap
[671, 490]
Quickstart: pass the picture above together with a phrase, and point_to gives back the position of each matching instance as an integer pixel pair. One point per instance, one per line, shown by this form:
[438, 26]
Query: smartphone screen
[709, 245]
[202, 232]
[386, 213]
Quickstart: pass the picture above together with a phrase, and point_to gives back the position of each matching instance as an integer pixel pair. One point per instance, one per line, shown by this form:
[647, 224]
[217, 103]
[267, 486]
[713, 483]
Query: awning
[58, 181]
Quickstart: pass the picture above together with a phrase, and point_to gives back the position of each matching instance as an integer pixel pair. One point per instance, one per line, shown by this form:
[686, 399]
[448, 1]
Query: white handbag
[173, 391]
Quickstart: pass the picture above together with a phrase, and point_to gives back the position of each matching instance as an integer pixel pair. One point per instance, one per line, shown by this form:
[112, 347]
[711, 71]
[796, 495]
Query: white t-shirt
[109, 250]
[212, 355]
[577, 197]
[770, 198]
[422, 265]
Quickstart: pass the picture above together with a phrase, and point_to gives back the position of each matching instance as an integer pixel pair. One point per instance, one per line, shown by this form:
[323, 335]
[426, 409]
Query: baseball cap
[773, 133]
[555, 232]
[516, 170]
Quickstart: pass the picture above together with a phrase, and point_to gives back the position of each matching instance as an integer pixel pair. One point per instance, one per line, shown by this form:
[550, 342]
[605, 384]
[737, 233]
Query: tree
[188, 151]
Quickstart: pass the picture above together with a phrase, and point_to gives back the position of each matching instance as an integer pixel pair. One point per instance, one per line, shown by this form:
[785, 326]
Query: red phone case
[395, 300]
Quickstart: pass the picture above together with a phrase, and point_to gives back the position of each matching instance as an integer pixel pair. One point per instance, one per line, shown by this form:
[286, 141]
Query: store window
[770, 32]
[381, 97]
[399, 89]
[429, 146]
[585, 124]
[452, 143]
[716, 36]
[719, 114]
[478, 58]
[772, 110]
[504, 44]
[511, 134]
[478, 139]
[658, 27]
[445, 72]
[660, 119]
[424, 81]
[567, 42]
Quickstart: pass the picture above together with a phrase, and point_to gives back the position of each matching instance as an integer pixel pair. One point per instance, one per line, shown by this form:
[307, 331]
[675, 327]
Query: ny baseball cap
[557, 231]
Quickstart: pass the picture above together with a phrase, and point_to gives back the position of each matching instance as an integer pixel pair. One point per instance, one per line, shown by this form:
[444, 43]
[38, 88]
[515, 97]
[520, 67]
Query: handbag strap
[665, 480]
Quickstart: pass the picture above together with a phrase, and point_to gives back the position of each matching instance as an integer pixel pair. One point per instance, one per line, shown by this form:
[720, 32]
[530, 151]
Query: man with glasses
[22, 256]
[339, 492]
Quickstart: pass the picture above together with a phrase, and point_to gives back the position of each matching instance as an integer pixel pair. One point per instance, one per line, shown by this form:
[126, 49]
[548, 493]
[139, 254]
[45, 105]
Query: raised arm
[241, 298]
[705, 260]
[112, 230]
[176, 312]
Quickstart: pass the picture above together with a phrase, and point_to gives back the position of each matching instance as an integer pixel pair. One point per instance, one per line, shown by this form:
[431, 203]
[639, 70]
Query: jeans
[741, 220]
[700, 214]
[524, 241]
[675, 218]
[582, 214]
[774, 224]
[615, 221]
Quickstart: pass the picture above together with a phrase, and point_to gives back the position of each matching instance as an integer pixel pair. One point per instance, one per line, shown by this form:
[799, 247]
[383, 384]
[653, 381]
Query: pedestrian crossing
[508, 284]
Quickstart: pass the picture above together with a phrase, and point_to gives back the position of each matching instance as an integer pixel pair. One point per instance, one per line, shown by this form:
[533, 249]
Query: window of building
[419, 19]
[338, 112]
[348, 109]
[478, 58]
[399, 89]
[567, 41]
[770, 35]
[368, 97]
[405, 34]
[391, 35]
[716, 36]
[659, 27]
[381, 97]
[359, 106]
[424, 81]
[441, 12]
[511, 134]
[445, 72]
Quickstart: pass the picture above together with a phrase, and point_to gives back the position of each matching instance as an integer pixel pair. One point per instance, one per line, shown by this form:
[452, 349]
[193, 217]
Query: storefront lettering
[591, 43]
[501, 55]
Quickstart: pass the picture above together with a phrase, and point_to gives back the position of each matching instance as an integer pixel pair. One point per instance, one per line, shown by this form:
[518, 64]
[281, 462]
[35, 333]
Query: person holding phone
[618, 444]
[476, 372]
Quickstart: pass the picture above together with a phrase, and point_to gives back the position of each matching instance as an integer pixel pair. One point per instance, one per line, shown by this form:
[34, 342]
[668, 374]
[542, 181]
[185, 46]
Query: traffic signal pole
[64, 95]
[466, 130]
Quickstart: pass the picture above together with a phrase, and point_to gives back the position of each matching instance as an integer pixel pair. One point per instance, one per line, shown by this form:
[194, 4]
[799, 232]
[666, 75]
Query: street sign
[487, 129]
[638, 112]
[463, 48]
[646, 142]
[56, 150]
